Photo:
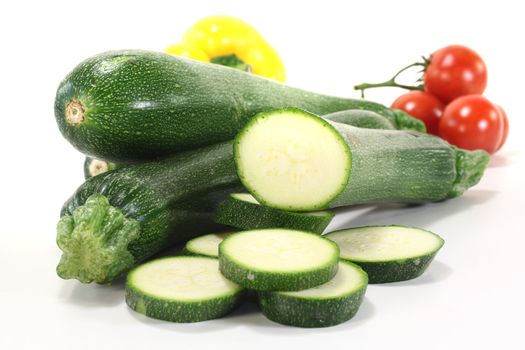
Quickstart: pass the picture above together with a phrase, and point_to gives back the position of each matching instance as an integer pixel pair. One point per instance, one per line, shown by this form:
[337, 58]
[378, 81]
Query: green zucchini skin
[396, 270]
[125, 106]
[186, 312]
[178, 310]
[248, 216]
[161, 203]
[406, 166]
[312, 312]
[361, 119]
[93, 167]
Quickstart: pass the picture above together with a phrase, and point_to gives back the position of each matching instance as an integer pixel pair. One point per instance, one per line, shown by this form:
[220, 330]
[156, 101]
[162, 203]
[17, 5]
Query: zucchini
[207, 245]
[278, 259]
[356, 117]
[388, 253]
[293, 160]
[361, 119]
[132, 105]
[181, 289]
[119, 218]
[93, 167]
[243, 211]
[329, 304]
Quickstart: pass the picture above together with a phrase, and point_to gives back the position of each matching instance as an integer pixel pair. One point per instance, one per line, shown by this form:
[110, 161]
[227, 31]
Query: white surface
[472, 296]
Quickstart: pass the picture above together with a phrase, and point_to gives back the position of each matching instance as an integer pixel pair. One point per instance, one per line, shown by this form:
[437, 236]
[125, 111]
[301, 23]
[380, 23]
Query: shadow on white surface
[92, 295]
[249, 315]
[503, 160]
[420, 215]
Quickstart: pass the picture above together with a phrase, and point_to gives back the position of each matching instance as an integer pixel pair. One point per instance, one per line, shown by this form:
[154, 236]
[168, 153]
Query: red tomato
[505, 121]
[423, 106]
[455, 71]
[472, 122]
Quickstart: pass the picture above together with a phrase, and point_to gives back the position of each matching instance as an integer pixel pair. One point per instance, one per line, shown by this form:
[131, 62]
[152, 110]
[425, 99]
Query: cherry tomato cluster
[450, 103]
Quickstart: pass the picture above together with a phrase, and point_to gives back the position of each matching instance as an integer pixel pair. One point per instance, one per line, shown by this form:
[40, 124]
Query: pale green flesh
[182, 279]
[246, 197]
[207, 244]
[349, 278]
[287, 158]
[385, 243]
[279, 250]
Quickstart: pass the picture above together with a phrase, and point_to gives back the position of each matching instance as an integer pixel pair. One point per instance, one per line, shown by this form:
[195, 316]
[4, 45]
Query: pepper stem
[94, 241]
[392, 81]
[232, 61]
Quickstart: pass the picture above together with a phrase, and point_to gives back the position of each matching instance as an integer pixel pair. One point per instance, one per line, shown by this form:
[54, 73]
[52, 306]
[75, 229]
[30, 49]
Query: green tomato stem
[392, 81]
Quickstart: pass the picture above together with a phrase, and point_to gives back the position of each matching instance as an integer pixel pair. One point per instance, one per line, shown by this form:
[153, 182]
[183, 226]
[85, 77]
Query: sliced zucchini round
[181, 289]
[207, 245]
[243, 211]
[283, 156]
[278, 259]
[329, 304]
[388, 253]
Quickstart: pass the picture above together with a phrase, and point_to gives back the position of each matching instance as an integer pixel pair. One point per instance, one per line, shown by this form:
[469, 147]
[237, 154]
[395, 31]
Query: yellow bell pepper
[230, 41]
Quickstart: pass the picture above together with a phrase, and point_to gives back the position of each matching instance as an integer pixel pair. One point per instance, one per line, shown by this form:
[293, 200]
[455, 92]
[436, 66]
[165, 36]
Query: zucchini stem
[94, 241]
[470, 166]
[392, 81]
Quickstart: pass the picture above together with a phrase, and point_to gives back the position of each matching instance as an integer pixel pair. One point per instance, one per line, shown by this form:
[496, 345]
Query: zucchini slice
[207, 245]
[388, 253]
[326, 305]
[181, 289]
[294, 160]
[243, 211]
[278, 259]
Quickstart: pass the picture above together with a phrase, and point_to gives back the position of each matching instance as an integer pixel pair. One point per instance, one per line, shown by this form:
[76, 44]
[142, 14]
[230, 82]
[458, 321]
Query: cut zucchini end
[388, 253]
[181, 289]
[326, 305]
[470, 166]
[282, 156]
[94, 241]
[278, 259]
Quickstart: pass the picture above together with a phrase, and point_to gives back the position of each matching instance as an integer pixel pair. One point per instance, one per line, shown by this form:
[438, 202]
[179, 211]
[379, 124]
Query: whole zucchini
[133, 105]
[355, 117]
[121, 217]
[294, 160]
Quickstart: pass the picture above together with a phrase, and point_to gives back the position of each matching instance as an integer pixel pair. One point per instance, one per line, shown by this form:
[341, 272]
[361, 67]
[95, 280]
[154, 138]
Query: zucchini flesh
[293, 160]
[388, 253]
[181, 289]
[119, 218]
[278, 259]
[243, 211]
[207, 245]
[134, 105]
[329, 304]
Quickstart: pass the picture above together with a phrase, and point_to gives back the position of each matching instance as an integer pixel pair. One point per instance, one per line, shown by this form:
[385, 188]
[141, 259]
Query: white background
[471, 297]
